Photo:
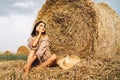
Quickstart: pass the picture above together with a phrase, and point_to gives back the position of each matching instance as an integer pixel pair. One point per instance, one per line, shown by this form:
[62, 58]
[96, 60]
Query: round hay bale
[108, 26]
[80, 27]
[7, 52]
[22, 50]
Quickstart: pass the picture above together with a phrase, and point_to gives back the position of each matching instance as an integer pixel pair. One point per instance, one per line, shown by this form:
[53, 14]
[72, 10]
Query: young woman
[39, 48]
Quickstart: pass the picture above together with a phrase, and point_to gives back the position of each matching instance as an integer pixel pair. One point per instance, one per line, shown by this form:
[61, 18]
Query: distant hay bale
[81, 27]
[22, 50]
[1, 52]
[7, 52]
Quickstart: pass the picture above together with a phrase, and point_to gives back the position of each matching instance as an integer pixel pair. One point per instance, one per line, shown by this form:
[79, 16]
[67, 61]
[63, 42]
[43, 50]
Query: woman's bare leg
[48, 62]
[31, 58]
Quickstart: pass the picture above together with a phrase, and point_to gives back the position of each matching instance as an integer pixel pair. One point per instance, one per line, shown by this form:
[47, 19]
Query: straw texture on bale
[108, 24]
[81, 27]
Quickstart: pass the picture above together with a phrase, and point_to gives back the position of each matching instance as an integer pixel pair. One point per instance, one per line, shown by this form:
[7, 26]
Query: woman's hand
[38, 30]
[37, 37]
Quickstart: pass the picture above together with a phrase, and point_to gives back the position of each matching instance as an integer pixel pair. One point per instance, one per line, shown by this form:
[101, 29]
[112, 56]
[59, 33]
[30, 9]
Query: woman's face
[41, 27]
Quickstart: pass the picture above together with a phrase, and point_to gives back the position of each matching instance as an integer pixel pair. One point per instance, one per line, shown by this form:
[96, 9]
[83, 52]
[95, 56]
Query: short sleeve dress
[42, 50]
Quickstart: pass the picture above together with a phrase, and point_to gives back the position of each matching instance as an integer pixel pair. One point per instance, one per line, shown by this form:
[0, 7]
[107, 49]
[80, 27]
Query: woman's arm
[36, 39]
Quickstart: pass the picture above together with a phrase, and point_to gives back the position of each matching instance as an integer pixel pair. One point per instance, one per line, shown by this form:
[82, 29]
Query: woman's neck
[43, 35]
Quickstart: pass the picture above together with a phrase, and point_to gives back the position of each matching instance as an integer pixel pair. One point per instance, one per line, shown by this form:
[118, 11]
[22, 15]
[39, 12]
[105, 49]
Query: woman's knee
[53, 57]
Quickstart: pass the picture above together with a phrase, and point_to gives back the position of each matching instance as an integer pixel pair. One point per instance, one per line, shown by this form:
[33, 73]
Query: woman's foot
[26, 68]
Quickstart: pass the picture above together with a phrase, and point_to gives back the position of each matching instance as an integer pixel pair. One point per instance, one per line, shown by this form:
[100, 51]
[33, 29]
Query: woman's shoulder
[46, 36]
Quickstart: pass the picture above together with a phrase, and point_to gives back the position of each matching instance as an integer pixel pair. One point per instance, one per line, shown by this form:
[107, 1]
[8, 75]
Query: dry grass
[87, 69]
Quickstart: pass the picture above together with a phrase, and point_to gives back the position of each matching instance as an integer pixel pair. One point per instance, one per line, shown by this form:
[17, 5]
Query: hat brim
[61, 64]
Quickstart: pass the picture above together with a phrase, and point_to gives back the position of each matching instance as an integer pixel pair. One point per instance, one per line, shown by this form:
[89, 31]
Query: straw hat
[68, 61]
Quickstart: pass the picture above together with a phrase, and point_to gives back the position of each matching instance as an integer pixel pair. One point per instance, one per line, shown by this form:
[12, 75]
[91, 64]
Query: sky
[17, 18]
